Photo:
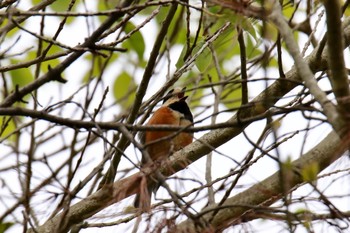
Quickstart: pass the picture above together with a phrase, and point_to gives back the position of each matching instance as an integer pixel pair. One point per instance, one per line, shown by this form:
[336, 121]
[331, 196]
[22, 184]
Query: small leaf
[175, 31]
[214, 9]
[106, 5]
[302, 211]
[63, 6]
[124, 90]
[252, 47]
[226, 45]
[276, 124]
[288, 11]
[288, 164]
[309, 172]
[242, 22]
[35, 2]
[273, 62]
[204, 59]
[12, 32]
[306, 216]
[4, 226]
[180, 61]
[60, 6]
[287, 173]
[7, 127]
[96, 65]
[232, 96]
[54, 49]
[347, 12]
[20, 77]
[191, 82]
[135, 42]
[249, 28]
[270, 32]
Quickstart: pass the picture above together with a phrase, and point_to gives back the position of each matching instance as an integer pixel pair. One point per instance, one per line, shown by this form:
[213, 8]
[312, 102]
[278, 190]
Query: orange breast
[163, 148]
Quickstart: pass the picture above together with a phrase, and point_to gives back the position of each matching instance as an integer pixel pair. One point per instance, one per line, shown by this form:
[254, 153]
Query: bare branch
[304, 70]
[325, 152]
[54, 73]
[270, 189]
[338, 74]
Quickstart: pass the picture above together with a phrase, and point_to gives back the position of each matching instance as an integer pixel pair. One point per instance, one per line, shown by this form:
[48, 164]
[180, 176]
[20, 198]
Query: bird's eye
[180, 95]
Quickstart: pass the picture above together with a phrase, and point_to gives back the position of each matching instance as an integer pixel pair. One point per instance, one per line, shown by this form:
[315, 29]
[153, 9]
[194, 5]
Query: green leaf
[107, 4]
[252, 49]
[180, 61]
[214, 9]
[191, 82]
[96, 65]
[7, 127]
[20, 77]
[60, 5]
[238, 20]
[13, 32]
[204, 59]
[347, 12]
[302, 211]
[52, 63]
[5, 226]
[124, 90]
[276, 124]
[176, 31]
[288, 11]
[288, 164]
[135, 42]
[35, 2]
[306, 216]
[309, 172]
[249, 28]
[226, 46]
[270, 32]
[213, 74]
[232, 96]
[273, 62]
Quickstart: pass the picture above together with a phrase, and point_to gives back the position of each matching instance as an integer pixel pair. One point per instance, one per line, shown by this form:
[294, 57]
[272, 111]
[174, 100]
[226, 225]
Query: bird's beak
[183, 98]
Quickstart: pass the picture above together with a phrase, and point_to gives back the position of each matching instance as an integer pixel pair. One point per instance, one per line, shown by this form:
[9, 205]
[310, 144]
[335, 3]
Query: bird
[173, 112]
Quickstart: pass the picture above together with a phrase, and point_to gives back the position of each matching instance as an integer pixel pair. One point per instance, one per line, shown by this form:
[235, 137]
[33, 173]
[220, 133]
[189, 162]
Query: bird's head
[175, 95]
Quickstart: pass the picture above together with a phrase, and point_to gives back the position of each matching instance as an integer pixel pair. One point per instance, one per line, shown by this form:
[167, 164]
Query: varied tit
[174, 112]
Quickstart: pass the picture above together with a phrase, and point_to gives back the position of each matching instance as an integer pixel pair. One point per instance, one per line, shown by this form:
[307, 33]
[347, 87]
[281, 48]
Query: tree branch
[325, 152]
[269, 190]
[12, 25]
[338, 74]
[54, 73]
[304, 71]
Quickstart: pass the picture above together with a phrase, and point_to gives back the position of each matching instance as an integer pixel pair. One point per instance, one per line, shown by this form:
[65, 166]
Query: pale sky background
[236, 148]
